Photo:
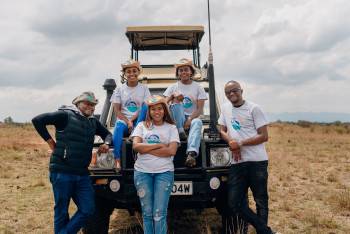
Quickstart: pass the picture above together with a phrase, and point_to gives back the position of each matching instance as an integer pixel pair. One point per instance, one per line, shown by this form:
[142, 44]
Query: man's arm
[59, 119]
[199, 110]
[224, 134]
[261, 137]
[103, 132]
[196, 113]
[234, 147]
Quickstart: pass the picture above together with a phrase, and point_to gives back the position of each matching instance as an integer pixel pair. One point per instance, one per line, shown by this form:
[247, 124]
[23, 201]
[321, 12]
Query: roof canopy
[165, 37]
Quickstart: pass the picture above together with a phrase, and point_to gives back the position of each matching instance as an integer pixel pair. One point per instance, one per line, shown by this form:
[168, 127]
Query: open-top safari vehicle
[203, 186]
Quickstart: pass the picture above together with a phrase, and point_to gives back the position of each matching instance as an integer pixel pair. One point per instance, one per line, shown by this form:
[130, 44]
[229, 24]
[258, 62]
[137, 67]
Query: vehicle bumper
[203, 196]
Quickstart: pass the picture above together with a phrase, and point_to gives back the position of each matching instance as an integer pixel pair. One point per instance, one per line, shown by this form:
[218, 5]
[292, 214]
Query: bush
[304, 123]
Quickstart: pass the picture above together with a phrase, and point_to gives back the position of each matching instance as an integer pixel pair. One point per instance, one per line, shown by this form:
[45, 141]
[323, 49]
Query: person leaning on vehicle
[75, 128]
[244, 126]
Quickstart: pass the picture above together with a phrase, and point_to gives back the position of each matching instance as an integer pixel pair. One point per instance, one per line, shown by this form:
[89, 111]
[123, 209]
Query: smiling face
[132, 74]
[157, 113]
[233, 93]
[86, 108]
[184, 73]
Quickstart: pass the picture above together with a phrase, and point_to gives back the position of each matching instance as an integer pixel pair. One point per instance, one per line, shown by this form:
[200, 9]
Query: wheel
[99, 222]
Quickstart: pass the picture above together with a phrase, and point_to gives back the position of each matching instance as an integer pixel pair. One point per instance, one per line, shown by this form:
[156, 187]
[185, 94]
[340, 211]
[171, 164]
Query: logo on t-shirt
[235, 124]
[153, 139]
[131, 106]
[187, 102]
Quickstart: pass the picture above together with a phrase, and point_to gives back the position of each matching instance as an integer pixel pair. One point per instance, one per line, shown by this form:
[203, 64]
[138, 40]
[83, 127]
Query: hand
[130, 125]
[234, 145]
[103, 149]
[179, 97]
[51, 143]
[187, 124]
[236, 154]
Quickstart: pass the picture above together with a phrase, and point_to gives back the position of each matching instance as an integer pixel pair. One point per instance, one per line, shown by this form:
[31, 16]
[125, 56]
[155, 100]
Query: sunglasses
[234, 90]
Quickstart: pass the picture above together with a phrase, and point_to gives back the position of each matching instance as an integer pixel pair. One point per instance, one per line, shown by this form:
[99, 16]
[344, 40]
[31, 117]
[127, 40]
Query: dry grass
[309, 184]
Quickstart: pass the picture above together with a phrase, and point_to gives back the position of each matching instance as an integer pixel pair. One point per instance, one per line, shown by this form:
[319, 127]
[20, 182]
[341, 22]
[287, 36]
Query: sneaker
[183, 136]
[191, 159]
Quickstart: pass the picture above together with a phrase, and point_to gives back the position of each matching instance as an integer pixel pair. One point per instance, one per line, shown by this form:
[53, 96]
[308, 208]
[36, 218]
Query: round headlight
[220, 157]
[214, 183]
[114, 185]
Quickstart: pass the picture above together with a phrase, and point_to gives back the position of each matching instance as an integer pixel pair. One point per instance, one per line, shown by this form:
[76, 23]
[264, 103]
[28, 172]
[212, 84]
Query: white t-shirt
[165, 134]
[130, 98]
[242, 123]
[192, 93]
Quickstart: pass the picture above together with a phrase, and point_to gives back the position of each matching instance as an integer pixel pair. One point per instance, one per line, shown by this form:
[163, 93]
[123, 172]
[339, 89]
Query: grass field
[309, 183]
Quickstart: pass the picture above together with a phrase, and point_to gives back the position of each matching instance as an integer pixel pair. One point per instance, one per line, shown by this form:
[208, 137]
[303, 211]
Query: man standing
[244, 126]
[75, 128]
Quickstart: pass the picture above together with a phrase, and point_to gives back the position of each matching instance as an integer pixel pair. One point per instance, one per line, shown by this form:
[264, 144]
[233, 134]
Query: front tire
[99, 221]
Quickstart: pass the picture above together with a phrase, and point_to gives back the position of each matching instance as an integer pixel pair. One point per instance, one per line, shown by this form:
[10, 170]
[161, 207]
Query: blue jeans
[66, 187]
[251, 175]
[121, 130]
[194, 136]
[154, 191]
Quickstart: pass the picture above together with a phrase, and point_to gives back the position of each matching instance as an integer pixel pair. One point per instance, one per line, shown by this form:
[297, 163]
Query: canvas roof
[165, 37]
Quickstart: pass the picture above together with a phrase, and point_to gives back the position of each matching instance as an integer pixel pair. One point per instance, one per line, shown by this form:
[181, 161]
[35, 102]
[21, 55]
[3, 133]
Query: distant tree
[8, 120]
[337, 123]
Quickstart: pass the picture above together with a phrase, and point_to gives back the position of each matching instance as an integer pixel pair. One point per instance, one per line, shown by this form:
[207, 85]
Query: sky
[289, 55]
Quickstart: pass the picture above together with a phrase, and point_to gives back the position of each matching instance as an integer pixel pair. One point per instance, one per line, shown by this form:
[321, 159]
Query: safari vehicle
[203, 186]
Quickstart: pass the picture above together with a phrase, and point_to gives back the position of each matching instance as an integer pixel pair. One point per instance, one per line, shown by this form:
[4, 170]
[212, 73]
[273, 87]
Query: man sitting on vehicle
[186, 99]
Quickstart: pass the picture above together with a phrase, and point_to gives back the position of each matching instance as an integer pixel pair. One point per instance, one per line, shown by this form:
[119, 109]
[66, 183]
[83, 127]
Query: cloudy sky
[289, 55]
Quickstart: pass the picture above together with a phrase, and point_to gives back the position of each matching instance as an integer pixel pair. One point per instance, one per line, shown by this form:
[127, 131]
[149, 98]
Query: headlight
[105, 160]
[220, 157]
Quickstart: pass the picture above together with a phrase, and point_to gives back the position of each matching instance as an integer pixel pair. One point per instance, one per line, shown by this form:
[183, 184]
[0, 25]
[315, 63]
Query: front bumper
[203, 196]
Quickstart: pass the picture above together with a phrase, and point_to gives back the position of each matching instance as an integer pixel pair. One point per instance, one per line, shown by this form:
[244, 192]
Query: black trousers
[251, 175]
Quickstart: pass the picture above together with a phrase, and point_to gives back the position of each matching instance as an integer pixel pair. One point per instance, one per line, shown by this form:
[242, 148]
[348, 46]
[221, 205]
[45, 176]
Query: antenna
[213, 132]
[209, 24]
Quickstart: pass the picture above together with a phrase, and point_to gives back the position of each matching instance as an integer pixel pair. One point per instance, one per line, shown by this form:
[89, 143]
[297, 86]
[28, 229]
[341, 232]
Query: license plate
[182, 188]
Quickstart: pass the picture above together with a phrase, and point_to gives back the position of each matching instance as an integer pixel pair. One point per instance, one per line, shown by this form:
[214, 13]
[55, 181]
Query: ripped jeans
[154, 191]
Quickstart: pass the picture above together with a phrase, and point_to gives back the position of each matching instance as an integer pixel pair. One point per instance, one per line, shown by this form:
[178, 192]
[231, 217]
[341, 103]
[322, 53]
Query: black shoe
[191, 159]
[183, 136]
